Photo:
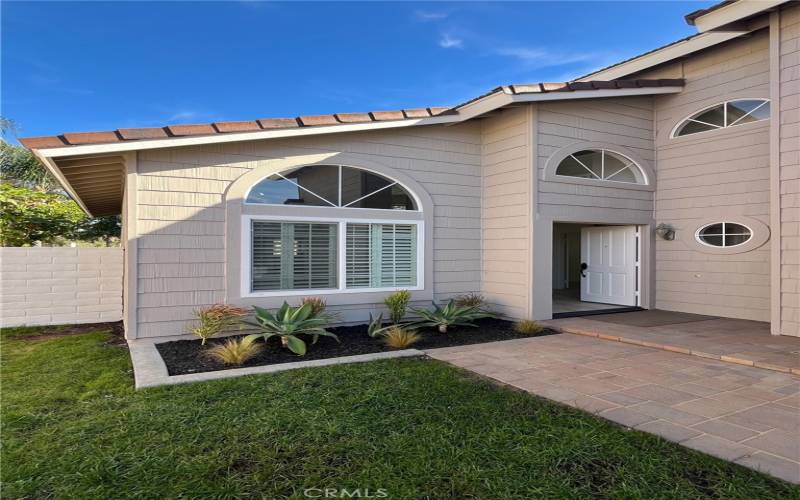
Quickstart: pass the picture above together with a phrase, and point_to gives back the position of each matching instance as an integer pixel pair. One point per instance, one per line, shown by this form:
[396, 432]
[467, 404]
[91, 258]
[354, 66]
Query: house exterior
[670, 180]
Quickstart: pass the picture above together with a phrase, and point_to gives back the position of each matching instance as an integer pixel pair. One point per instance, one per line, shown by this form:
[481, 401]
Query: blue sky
[69, 66]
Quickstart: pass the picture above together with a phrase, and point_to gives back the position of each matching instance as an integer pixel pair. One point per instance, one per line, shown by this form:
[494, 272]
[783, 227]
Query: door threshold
[596, 312]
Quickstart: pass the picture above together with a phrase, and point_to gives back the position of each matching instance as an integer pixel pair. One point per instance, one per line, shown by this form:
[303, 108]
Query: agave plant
[288, 322]
[376, 328]
[449, 315]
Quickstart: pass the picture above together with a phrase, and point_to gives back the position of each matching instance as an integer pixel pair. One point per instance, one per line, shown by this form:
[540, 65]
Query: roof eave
[729, 14]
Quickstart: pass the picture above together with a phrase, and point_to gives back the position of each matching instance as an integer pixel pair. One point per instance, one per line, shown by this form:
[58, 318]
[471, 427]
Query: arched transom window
[332, 186]
[723, 115]
[330, 248]
[601, 165]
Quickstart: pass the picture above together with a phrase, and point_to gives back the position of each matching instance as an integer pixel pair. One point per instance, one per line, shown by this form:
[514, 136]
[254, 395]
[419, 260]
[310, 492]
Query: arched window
[723, 115]
[330, 248]
[601, 165]
[723, 234]
[332, 186]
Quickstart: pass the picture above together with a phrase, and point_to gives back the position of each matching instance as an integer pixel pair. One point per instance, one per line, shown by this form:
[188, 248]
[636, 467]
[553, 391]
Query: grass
[74, 428]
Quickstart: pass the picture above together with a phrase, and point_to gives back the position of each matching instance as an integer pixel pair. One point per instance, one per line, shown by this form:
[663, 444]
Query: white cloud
[426, 16]
[449, 42]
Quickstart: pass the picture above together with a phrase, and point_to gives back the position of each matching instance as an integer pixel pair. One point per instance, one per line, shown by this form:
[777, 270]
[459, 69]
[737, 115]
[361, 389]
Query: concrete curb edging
[149, 369]
[681, 350]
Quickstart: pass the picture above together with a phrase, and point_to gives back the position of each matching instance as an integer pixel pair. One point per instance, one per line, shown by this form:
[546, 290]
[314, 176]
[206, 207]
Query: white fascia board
[732, 13]
[173, 142]
[53, 169]
[666, 54]
[595, 94]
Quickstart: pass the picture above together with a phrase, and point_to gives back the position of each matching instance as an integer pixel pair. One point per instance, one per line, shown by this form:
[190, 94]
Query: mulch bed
[188, 356]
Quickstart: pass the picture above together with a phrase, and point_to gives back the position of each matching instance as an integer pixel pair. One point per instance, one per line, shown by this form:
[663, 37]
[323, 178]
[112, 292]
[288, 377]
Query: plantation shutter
[293, 256]
[381, 255]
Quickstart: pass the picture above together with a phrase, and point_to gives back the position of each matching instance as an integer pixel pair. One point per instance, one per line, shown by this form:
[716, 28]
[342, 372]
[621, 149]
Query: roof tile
[317, 120]
[76, 138]
[580, 86]
[353, 117]
[247, 126]
[441, 110]
[42, 142]
[386, 115]
[626, 84]
[203, 129]
[271, 123]
[131, 134]
[555, 87]
[528, 88]
[416, 113]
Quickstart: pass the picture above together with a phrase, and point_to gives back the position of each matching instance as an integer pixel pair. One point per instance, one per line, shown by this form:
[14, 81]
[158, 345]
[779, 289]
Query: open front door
[608, 265]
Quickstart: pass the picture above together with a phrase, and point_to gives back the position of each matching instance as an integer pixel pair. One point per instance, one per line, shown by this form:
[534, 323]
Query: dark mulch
[188, 356]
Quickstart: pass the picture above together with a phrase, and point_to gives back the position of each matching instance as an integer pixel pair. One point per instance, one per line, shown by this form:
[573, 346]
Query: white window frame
[697, 235]
[341, 256]
[630, 164]
[724, 104]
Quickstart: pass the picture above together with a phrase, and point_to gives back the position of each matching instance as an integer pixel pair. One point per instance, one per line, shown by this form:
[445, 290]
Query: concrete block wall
[60, 285]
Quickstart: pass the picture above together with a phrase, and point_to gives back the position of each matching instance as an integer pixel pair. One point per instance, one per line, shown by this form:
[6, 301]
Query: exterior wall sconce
[665, 232]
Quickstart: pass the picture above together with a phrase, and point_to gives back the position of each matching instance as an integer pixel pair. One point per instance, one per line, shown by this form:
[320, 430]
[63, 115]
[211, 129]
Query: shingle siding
[181, 217]
[789, 89]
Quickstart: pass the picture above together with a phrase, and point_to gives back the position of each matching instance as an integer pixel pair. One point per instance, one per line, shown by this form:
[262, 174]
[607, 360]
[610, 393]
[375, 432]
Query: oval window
[724, 234]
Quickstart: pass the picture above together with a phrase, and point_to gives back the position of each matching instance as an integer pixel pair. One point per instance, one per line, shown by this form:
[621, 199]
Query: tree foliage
[28, 216]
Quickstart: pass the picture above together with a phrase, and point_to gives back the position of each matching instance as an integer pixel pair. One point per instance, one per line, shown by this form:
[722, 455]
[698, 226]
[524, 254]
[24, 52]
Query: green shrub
[213, 320]
[449, 315]
[397, 303]
[287, 323]
[528, 327]
[400, 338]
[470, 300]
[235, 351]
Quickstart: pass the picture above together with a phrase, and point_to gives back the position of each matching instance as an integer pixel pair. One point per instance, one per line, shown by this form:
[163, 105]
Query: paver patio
[740, 413]
[735, 340]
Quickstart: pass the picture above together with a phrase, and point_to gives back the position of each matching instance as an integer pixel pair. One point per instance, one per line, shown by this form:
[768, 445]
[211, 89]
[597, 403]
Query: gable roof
[91, 166]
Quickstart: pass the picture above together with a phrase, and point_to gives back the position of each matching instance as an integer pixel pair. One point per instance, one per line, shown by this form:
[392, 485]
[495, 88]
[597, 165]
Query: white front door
[608, 264]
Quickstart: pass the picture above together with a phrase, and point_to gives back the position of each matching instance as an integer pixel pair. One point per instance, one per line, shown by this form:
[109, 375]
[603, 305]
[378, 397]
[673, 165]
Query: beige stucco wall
[181, 213]
[60, 285]
[721, 175]
[506, 211]
[789, 161]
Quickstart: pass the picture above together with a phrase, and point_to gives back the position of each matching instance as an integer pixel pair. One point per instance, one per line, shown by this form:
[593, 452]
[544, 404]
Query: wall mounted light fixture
[665, 232]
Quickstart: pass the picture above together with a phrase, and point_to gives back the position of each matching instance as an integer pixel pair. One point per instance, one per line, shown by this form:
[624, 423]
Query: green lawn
[74, 428]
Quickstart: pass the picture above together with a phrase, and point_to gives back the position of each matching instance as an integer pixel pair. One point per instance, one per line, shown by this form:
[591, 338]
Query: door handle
[584, 266]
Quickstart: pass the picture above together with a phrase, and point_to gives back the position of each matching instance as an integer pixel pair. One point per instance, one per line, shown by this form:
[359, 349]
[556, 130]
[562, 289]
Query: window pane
[358, 183]
[738, 111]
[393, 198]
[592, 159]
[293, 256]
[570, 167]
[712, 240]
[306, 186]
[690, 127]
[711, 229]
[626, 175]
[735, 239]
[713, 116]
[381, 255]
[732, 228]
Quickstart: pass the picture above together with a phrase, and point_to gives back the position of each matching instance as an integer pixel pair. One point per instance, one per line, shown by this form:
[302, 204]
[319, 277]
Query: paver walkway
[739, 413]
[735, 340]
